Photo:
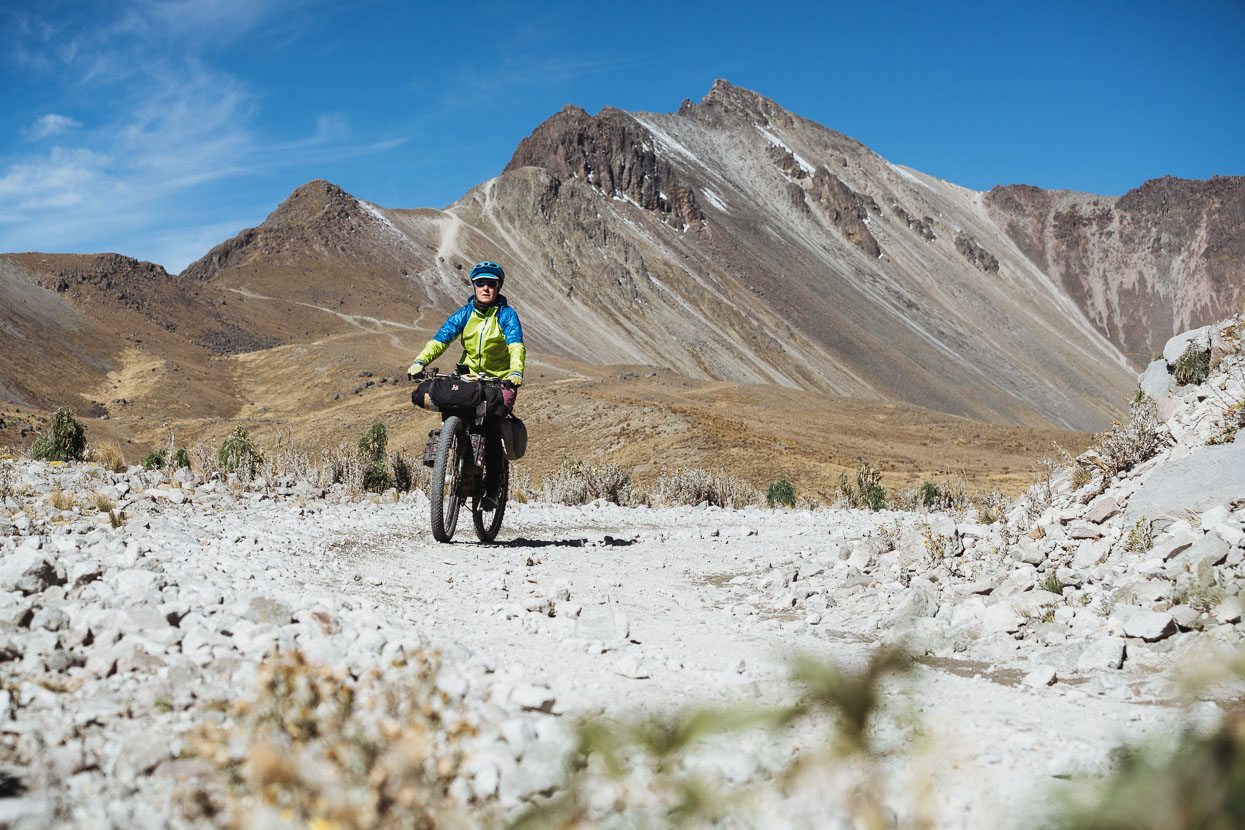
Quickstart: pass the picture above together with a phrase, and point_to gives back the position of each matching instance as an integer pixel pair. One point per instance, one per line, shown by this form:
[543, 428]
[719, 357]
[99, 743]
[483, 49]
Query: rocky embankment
[1042, 641]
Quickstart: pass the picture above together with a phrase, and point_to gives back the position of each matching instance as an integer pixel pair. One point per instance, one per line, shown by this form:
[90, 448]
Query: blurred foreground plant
[1194, 781]
[316, 749]
[645, 771]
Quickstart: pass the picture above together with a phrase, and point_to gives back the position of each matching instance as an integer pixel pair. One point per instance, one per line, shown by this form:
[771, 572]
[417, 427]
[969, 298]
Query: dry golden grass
[60, 500]
[642, 420]
[110, 456]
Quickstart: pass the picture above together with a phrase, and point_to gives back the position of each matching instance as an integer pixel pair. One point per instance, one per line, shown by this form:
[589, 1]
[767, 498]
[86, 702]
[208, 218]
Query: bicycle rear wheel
[444, 490]
[488, 522]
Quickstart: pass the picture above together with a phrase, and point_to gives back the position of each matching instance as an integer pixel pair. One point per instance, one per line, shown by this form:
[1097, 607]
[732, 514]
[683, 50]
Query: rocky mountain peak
[727, 99]
[613, 153]
[317, 200]
[319, 215]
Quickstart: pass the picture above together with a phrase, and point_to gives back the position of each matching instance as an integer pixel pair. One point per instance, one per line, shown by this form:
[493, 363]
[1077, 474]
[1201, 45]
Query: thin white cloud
[179, 123]
[49, 125]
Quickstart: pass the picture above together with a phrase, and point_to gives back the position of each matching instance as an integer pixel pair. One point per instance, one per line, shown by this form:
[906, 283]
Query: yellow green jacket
[492, 340]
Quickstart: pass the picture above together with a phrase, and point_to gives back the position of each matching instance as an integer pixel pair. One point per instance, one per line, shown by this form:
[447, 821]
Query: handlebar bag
[440, 394]
[514, 438]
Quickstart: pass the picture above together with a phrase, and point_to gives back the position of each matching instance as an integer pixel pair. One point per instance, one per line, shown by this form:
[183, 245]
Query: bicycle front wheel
[447, 471]
[488, 522]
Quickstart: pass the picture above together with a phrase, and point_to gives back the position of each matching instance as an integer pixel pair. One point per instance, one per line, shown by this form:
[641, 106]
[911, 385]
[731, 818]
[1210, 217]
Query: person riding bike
[493, 347]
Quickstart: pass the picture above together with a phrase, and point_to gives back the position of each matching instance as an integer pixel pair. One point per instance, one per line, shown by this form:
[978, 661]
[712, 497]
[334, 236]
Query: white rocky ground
[115, 642]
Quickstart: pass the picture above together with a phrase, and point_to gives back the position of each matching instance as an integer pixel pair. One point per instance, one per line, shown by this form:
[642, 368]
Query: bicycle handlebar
[432, 373]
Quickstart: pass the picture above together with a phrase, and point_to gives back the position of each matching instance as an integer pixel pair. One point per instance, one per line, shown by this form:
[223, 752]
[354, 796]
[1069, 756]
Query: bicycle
[457, 457]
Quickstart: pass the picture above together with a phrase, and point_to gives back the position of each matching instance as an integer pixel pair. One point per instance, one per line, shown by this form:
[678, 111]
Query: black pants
[494, 455]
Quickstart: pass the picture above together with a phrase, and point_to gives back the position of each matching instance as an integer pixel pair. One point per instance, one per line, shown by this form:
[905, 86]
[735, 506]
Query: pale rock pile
[115, 642]
[1138, 572]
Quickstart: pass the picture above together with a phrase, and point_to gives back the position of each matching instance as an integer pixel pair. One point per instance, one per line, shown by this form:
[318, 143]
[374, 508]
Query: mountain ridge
[731, 241]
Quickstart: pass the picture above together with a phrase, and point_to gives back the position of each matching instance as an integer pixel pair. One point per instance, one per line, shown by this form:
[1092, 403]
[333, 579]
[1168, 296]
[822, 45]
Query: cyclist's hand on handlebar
[416, 372]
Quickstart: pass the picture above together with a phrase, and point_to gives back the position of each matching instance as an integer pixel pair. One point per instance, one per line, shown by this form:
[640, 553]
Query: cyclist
[493, 347]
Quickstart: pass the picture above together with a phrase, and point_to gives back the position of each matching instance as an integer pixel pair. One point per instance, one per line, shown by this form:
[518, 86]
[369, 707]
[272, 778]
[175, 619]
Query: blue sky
[158, 129]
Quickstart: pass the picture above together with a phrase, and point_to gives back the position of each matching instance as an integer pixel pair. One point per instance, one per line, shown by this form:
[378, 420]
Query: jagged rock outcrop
[980, 258]
[126, 279]
[611, 152]
[846, 209]
[786, 162]
[924, 226]
[1161, 258]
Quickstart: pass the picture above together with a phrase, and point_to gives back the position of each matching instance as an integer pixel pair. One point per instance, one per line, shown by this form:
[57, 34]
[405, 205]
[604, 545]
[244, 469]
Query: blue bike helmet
[488, 269]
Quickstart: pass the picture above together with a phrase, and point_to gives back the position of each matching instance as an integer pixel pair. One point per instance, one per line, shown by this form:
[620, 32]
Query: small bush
[1051, 582]
[181, 459]
[373, 444]
[780, 491]
[239, 455]
[1192, 367]
[691, 487]
[8, 477]
[60, 500]
[578, 482]
[1140, 537]
[110, 456]
[1081, 475]
[992, 507]
[403, 473]
[865, 490]
[929, 495]
[1229, 424]
[116, 518]
[1126, 445]
[155, 460]
[103, 504]
[65, 441]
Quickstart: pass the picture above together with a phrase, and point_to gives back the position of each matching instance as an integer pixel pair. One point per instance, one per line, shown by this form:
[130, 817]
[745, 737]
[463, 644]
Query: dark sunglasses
[485, 282]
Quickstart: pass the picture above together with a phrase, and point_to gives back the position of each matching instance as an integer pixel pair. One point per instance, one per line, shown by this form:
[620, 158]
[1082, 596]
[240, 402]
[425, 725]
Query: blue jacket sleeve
[453, 327]
[508, 318]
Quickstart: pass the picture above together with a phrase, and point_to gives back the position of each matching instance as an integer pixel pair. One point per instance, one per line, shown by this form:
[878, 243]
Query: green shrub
[1140, 537]
[66, 441]
[779, 492]
[181, 458]
[372, 444]
[865, 490]
[1051, 582]
[155, 460]
[1194, 782]
[240, 455]
[1192, 367]
[929, 495]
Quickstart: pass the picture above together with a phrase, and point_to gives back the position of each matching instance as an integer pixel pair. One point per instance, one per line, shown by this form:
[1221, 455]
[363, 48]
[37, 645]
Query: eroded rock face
[611, 152]
[981, 259]
[1162, 258]
[846, 209]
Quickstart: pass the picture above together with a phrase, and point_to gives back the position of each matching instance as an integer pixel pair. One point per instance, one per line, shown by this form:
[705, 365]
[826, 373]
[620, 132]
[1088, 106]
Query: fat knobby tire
[443, 491]
[487, 524]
